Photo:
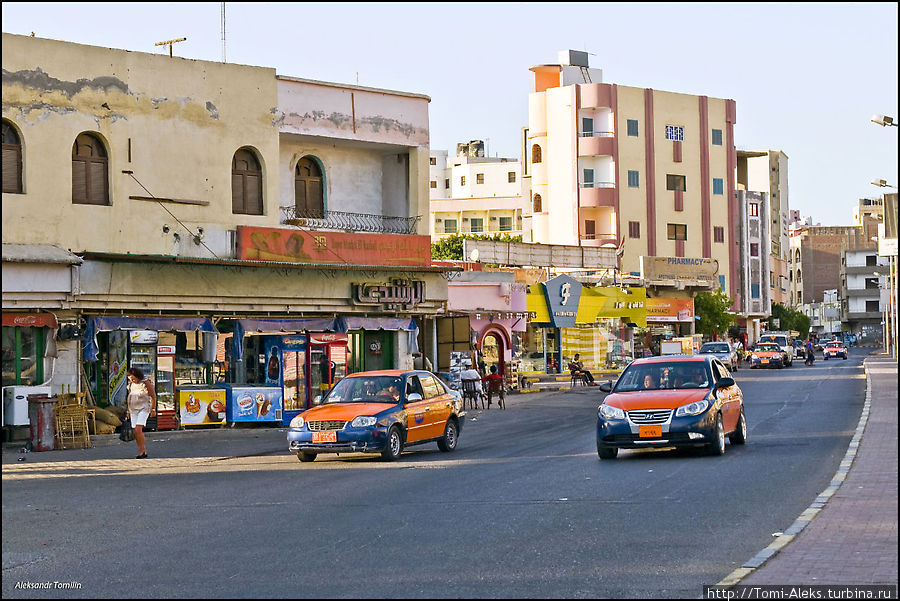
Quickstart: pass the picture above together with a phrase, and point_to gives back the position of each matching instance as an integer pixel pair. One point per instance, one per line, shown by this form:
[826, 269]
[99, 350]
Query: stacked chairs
[72, 416]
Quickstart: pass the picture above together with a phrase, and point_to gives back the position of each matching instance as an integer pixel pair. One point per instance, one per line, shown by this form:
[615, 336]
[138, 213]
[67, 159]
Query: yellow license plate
[329, 436]
[763, 360]
[649, 431]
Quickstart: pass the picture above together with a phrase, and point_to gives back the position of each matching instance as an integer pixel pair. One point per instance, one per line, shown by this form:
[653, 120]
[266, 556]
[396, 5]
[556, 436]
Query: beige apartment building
[202, 200]
[650, 171]
[475, 194]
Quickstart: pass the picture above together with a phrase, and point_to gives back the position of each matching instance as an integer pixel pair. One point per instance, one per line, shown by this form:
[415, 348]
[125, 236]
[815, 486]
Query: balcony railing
[350, 222]
[597, 134]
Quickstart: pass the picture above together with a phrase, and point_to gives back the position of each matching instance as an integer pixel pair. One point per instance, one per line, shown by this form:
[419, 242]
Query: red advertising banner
[32, 320]
[670, 309]
[300, 246]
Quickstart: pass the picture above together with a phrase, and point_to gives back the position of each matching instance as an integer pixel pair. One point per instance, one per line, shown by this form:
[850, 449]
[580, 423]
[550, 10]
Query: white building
[863, 293]
[474, 194]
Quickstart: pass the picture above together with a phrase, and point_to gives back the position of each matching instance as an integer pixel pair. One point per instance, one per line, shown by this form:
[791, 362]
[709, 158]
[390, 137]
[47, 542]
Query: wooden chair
[577, 376]
[470, 393]
[495, 387]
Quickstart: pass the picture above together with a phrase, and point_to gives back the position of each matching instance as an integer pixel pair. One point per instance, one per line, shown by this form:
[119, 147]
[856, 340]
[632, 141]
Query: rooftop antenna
[223, 32]
[169, 44]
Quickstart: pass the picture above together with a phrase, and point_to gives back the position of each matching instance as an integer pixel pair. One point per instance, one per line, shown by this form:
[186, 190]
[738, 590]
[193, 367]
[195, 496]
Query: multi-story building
[183, 196]
[474, 194]
[767, 171]
[651, 171]
[824, 317]
[754, 235]
[863, 297]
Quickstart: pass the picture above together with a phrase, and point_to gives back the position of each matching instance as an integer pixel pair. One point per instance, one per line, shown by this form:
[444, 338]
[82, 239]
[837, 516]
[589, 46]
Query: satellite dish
[474, 254]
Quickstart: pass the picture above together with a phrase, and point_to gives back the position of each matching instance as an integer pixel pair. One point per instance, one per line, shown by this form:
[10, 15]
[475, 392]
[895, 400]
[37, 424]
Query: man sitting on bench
[577, 369]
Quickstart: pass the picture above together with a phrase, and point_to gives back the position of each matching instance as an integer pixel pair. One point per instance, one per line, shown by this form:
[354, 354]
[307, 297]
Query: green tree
[451, 247]
[789, 319]
[712, 309]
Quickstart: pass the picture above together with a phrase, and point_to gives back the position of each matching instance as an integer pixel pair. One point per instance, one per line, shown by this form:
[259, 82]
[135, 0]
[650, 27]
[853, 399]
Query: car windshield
[779, 340]
[719, 347]
[767, 348]
[664, 376]
[366, 389]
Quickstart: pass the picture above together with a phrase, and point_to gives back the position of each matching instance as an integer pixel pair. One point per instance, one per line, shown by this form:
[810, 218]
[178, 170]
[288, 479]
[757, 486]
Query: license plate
[649, 431]
[763, 360]
[329, 436]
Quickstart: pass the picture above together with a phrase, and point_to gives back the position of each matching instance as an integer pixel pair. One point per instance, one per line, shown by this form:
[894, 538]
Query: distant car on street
[723, 352]
[834, 350]
[767, 354]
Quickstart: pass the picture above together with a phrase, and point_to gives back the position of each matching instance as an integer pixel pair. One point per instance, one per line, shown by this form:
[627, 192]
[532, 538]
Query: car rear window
[714, 348]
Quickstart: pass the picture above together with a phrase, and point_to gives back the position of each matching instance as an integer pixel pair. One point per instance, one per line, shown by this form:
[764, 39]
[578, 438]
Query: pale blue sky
[806, 77]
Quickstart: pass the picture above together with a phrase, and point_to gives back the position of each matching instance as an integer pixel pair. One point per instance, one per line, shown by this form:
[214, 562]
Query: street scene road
[522, 508]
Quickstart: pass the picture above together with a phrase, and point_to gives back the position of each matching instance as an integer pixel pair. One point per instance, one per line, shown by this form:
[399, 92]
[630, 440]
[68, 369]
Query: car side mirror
[725, 383]
[605, 386]
[414, 397]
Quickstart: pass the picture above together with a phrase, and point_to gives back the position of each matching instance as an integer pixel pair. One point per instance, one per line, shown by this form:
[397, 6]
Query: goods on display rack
[458, 360]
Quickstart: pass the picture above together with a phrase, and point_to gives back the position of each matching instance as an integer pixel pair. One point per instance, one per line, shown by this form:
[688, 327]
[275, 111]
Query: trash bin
[43, 422]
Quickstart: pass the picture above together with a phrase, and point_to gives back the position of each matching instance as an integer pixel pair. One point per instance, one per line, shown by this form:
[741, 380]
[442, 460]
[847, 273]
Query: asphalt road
[522, 508]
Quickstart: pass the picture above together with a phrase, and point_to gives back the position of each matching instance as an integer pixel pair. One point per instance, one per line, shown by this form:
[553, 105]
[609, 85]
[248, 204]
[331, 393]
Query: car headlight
[754, 357]
[297, 422]
[609, 412]
[695, 408]
[363, 421]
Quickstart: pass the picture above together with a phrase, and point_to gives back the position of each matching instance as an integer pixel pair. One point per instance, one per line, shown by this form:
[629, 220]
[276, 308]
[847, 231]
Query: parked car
[379, 412]
[723, 352]
[767, 354]
[835, 349]
[674, 400]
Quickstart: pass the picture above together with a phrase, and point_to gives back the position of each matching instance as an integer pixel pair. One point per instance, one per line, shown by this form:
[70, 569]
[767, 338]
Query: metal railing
[596, 134]
[598, 184]
[353, 222]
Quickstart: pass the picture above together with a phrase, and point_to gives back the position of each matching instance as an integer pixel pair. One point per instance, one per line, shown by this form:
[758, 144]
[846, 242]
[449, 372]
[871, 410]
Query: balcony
[596, 95]
[862, 292]
[863, 315]
[349, 222]
[598, 240]
[597, 194]
[598, 143]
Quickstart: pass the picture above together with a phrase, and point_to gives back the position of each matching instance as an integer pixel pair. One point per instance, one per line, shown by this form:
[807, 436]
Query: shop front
[567, 317]
[667, 319]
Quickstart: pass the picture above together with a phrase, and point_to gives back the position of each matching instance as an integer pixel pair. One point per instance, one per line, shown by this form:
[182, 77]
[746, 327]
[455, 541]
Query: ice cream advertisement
[201, 407]
[255, 404]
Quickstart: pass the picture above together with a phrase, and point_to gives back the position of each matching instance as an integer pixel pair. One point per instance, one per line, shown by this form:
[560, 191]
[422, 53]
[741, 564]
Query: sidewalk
[848, 536]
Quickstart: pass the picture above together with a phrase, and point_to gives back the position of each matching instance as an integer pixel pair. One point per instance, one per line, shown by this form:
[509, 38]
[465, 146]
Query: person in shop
[141, 405]
[577, 368]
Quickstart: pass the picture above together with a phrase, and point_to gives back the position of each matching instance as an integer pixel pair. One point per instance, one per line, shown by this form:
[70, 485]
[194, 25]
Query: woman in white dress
[141, 405]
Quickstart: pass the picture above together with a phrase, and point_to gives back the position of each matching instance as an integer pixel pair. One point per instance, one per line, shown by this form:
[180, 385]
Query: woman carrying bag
[141, 405]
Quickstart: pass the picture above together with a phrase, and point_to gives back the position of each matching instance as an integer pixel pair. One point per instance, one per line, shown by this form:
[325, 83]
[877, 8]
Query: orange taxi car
[675, 400]
[767, 354]
[835, 349]
[379, 412]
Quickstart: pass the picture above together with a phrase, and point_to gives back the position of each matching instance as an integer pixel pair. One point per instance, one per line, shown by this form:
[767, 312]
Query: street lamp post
[891, 308]
[883, 120]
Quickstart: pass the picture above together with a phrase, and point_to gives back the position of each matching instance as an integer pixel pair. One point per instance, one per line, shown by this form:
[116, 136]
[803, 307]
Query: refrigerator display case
[200, 405]
[142, 354]
[166, 414]
[260, 404]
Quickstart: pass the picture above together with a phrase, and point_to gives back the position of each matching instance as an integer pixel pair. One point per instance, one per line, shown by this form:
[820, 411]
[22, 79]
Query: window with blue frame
[718, 185]
[717, 137]
[722, 283]
[675, 133]
[634, 179]
[754, 290]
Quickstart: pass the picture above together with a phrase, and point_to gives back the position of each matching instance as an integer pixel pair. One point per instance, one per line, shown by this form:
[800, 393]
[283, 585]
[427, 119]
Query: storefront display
[201, 406]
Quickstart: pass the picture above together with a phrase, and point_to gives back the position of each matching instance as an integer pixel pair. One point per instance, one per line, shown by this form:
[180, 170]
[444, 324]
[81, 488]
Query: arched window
[90, 171]
[308, 198]
[536, 154]
[246, 183]
[536, 204]
[12, 159]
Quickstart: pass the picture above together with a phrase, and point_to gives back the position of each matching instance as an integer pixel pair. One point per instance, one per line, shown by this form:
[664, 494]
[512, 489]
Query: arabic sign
[670, 309]
[675, 269]
[398, 293]
[563, 294]
[300, 246]
[595, 303]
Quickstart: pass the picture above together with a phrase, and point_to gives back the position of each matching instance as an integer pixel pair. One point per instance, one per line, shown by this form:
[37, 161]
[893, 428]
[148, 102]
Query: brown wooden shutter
[97, 183]
[300, 199]
[237, 193]
[253, 200]
[315, 202]
[12, 168]
[79, 181]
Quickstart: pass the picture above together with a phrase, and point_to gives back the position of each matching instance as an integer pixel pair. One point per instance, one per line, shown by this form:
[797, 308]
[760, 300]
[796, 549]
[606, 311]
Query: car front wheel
[394, 445]
[717, 446]
[607, 452]
[451, 435]
[306, 457]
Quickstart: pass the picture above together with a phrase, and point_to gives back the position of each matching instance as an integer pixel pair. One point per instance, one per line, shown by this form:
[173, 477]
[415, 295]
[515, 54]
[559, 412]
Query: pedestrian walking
[141, 405]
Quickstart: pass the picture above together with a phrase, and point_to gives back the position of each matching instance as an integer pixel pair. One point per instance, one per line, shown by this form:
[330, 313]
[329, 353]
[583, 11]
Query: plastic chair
[495, 387]
[471, 394]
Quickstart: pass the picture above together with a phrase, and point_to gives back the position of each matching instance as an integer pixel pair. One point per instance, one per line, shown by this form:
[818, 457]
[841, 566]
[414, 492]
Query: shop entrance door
[378, 350]
[294, 380]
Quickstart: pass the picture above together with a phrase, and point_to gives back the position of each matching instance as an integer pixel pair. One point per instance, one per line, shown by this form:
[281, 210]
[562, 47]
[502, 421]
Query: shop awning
[314, 324]
[30, 320]
[160, 324]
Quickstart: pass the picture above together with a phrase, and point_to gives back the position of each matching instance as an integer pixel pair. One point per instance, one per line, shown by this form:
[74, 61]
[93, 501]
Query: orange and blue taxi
[379, 412]
[671, 401]
[767, 354]
[834, 350]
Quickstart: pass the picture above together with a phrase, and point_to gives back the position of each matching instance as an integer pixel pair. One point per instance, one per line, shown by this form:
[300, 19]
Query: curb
[815, 507]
